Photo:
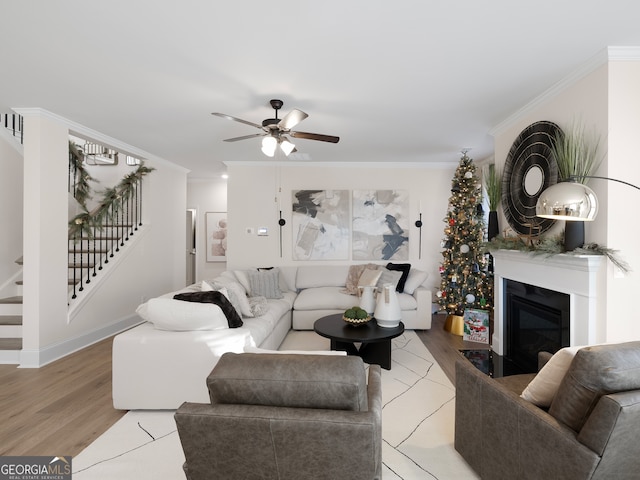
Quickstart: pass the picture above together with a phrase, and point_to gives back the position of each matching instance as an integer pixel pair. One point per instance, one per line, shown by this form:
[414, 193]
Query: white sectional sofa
[157, 368]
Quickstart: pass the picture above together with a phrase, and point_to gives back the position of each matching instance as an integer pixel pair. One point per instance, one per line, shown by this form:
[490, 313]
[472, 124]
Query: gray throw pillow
[265, 283]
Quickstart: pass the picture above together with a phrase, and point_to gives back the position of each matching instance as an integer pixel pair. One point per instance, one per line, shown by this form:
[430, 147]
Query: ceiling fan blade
[315, 136]
[291, 119]
[229, 117]
[244, 137]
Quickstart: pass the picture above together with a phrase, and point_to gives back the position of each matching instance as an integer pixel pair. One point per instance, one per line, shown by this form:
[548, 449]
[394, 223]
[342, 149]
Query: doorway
[191, 246]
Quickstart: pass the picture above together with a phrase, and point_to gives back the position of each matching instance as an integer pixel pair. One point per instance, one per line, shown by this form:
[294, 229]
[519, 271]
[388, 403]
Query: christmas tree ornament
[464, 248]
[470, 298]
[439, 294]
[468, 175]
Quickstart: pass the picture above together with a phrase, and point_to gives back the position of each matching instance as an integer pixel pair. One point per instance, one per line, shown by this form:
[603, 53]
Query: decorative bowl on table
[356, 316]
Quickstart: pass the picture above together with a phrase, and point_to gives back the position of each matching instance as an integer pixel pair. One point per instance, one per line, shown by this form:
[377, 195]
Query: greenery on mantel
[493, 185]
[576, 153]
[84, 223]
[554, 245]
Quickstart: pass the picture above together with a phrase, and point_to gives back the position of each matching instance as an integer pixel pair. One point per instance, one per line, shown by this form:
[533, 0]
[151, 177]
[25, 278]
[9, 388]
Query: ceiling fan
[275, 130]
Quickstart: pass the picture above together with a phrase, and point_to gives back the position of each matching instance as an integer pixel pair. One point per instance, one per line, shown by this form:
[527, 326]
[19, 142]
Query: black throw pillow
[233, 319]
[404, 268]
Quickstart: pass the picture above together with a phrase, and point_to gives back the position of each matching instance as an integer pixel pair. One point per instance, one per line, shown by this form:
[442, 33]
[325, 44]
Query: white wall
[605, 98]
[11, 166]
[152, 264]
[206, 196]
[620, 206]
[252, 197]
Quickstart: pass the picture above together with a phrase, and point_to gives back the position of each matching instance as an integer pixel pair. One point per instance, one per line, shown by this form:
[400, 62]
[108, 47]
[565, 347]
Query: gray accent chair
[285, 416]
[590, 431]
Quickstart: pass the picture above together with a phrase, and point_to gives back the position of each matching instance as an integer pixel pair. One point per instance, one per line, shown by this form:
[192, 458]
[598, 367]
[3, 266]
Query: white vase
[388, 313]
[367, 300]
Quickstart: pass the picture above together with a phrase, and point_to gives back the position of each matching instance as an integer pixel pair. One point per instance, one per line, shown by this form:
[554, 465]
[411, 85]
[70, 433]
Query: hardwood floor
[444, 346]
[61, 408]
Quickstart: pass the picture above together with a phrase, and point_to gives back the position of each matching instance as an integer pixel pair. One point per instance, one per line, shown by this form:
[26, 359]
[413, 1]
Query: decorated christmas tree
[465, 281]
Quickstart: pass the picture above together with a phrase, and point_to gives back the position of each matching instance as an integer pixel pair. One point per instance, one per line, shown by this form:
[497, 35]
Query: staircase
[94, 237]
[11, 325]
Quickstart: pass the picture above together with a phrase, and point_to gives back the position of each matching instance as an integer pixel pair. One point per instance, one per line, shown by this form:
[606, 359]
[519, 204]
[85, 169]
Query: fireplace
[579, 277]
[537, 319]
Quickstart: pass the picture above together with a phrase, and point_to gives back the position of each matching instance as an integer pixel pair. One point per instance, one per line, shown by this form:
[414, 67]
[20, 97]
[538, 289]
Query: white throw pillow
[176, 315]
[243, 278]
[544, 386]
[414, 280]
[388, 276]
[236, 294]
[369, 278]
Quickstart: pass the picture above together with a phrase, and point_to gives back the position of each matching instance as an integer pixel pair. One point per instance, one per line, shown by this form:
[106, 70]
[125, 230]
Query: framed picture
[320, 220]
[476, 325]
[380, 225]
[216, 229]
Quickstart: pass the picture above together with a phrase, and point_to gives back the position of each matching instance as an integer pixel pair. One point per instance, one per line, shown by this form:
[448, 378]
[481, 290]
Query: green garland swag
[84, 223]
[554, 245]
[82, 190]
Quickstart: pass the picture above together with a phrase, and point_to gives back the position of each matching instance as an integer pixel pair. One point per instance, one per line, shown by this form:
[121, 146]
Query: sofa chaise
[161, 363]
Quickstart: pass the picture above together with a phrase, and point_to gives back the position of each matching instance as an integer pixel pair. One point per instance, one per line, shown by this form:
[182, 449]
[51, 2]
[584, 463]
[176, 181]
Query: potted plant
[493, 186]
[576, 154]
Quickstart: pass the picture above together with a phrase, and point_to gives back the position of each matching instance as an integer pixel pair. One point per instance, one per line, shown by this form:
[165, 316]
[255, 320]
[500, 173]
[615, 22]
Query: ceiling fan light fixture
[269, 145]
[286, 146]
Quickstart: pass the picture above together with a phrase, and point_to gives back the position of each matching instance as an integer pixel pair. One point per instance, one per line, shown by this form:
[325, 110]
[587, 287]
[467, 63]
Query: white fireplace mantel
[579, 276]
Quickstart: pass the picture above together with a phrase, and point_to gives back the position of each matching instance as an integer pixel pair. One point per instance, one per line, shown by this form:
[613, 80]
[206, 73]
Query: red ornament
[452, 221]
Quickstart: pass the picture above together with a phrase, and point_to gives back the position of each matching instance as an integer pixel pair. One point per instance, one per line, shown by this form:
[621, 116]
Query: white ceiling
[406, 81]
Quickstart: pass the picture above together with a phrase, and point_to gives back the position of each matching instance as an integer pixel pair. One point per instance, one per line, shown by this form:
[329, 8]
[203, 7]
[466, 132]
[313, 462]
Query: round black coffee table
[375, 341]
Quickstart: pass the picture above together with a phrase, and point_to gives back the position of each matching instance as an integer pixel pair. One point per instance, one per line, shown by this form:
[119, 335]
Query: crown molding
[87, 133]
[368, 165]
[601, 58]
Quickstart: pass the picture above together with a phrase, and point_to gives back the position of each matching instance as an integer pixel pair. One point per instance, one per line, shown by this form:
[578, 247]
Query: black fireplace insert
[537, 319]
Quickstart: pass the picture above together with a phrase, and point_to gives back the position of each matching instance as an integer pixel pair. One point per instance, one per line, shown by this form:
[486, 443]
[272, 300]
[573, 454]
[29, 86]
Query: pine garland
[81, 188]
[84, 223]
[554, 245]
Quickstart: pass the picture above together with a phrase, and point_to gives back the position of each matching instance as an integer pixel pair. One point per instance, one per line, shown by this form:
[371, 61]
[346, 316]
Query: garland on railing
[82, 190]
[85, 222]
[554, 245]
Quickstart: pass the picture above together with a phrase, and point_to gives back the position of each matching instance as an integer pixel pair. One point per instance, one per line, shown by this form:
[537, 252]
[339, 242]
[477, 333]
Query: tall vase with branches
[577, 155]
[493, 187]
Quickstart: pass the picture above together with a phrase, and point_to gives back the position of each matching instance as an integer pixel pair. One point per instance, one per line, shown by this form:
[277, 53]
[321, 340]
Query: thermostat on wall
[263, 231]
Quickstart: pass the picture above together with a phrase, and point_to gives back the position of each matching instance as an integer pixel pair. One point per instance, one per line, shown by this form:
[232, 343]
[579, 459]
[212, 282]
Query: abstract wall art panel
[320, 224]
[380, 225]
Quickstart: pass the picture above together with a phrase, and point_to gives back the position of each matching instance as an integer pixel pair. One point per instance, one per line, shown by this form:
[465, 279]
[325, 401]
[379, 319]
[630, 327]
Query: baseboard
[51, 353]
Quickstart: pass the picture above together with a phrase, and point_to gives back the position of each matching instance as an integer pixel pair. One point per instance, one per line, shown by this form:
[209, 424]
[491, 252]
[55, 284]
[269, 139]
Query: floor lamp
[573, 202]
